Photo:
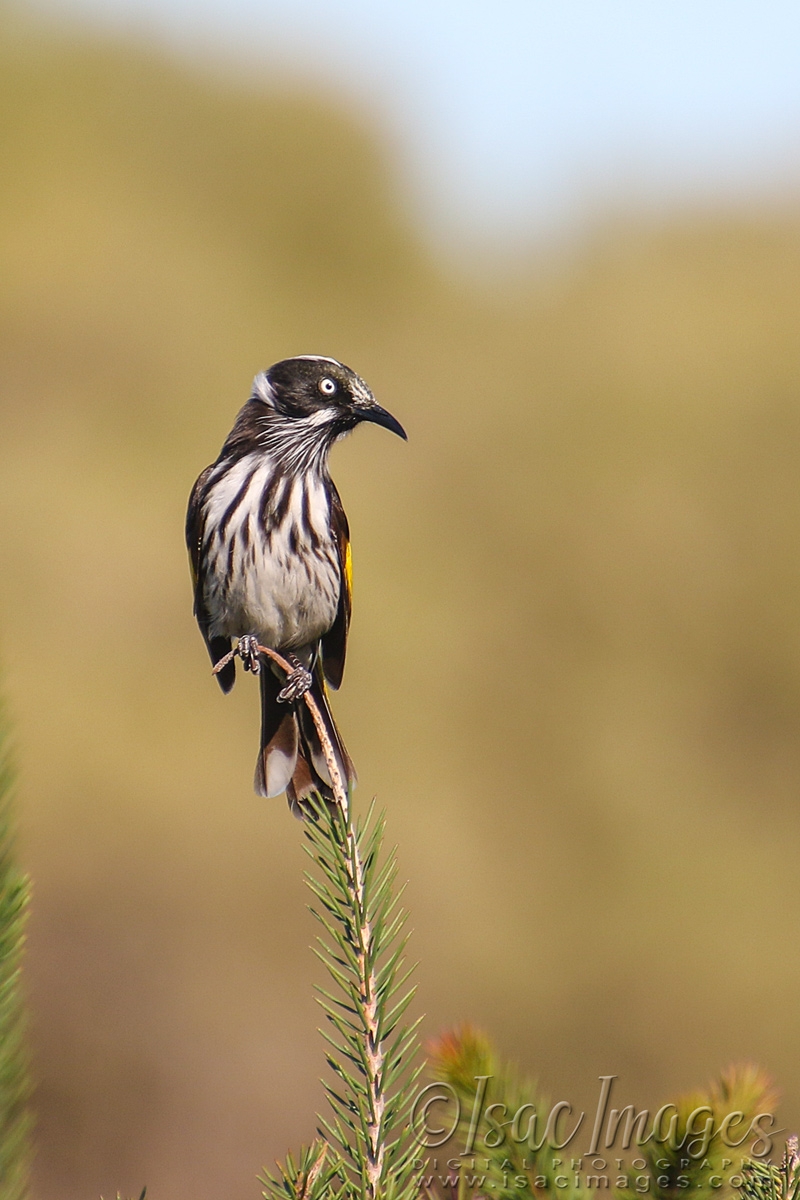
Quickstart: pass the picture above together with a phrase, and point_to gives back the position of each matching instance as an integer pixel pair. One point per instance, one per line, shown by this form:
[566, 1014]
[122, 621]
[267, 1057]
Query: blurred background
[561, 241]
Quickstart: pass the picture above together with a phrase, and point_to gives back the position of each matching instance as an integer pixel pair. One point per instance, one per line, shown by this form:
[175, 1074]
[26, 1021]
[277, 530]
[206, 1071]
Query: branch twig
[337, 783]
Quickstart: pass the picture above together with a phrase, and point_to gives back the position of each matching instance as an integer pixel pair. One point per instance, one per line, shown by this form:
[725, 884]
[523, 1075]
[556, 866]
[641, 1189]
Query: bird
[269, 550]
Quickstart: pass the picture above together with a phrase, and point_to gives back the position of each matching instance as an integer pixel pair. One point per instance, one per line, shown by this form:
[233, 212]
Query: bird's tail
[291, 758]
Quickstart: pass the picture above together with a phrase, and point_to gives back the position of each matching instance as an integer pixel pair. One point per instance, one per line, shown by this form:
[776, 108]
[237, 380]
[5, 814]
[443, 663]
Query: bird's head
[316, 401]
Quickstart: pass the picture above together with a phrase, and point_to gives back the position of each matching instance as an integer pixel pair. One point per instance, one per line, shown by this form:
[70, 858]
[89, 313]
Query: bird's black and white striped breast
[272, 564]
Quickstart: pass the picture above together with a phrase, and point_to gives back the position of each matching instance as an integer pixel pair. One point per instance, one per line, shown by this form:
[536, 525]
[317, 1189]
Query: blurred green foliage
[503, 1131]
[574, 674]
[507, 1146]
[698, 1156]
[15, 1084]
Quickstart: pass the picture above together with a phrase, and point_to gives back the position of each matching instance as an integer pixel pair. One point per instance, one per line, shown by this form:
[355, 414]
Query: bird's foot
[247, 649]
[297, 683]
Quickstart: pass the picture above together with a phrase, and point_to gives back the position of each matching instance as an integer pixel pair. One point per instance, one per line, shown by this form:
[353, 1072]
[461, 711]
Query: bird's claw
[296, 686]
[248, 652]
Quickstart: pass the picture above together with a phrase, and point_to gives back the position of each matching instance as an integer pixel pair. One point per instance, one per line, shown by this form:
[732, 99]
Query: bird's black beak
[379, 416]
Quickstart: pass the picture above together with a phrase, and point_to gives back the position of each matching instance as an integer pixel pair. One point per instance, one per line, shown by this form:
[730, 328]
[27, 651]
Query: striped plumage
[270, 554]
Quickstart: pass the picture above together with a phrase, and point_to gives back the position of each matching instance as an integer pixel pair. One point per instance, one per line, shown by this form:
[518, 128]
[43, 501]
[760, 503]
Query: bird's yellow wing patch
[334, 643]
[348, 571]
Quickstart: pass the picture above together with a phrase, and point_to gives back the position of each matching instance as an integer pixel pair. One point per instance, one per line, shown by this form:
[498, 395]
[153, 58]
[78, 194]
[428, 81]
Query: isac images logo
[483, 1145]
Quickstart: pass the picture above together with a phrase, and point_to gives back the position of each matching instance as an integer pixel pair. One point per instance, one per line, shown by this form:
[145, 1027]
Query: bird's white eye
[327, 386]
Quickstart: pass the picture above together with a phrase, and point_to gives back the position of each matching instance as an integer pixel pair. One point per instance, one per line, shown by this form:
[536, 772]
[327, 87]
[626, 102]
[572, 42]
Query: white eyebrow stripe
[319, 358]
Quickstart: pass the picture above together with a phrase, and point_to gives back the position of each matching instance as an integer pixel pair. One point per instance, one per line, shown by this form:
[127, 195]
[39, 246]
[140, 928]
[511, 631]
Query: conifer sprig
[317, 1175]
[15, 1119]
[370, 1047]
[764, 1181]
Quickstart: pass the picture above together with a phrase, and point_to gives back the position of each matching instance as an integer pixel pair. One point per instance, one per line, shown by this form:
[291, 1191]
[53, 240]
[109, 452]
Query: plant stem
[369, 999]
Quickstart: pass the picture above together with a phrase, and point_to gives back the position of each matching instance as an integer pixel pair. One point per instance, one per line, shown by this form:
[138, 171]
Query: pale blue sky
[527, 115]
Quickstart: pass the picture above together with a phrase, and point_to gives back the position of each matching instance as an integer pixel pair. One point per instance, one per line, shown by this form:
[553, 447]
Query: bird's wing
[217, 647]
[334, 643]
